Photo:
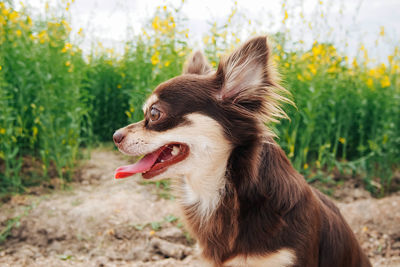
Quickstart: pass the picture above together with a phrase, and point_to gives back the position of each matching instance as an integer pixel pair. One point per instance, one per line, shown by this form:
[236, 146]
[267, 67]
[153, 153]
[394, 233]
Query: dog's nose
[118, 137]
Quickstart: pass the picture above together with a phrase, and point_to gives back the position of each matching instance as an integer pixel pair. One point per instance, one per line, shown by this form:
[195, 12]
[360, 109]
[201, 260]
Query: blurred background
[72, 72]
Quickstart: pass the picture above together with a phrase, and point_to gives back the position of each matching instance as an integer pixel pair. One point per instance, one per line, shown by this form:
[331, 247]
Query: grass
[14, 222]
[163, 188]
[157, 225]
[56, 100]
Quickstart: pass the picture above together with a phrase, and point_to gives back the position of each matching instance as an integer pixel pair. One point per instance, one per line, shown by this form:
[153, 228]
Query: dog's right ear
[197, 64]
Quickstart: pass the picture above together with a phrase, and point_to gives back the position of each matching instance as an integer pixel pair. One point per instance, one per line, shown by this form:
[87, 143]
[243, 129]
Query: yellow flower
[299, 77]
[66, 25]
[342, 140]
[155, 59]
[312, 69]
[382, 69]
[2, 131]
[43, 37]
[5, 12]
[373, 73]
[382, 32]
[13, 16]
[354, 63]
[119, 86]
[156, 23]
[206, 39]
[317, 50]
[1, 67]
[66, 47]
[68, 63]
[80, 32]
[332, 69]
[286, 17]
[385, 82]
[167, 64]
[305, 166]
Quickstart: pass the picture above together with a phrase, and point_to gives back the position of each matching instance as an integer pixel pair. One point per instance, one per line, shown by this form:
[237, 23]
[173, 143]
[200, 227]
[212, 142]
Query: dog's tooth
[162, 160]
[175, 151]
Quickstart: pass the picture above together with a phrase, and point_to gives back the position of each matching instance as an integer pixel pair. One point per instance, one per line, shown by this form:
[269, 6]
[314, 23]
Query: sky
[359, 20]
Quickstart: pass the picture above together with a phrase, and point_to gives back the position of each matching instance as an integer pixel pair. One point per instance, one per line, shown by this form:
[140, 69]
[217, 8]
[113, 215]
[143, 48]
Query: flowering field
[56, 99]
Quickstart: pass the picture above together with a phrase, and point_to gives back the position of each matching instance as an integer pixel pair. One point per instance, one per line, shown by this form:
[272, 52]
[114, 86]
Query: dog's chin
[156, 163]
[157, 174]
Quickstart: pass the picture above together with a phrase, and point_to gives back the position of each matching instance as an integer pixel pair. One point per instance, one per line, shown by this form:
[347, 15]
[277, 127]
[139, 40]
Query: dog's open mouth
[155, 162]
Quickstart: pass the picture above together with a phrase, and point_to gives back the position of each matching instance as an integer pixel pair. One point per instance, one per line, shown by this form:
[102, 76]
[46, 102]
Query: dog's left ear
[246, 71]
[197, 64]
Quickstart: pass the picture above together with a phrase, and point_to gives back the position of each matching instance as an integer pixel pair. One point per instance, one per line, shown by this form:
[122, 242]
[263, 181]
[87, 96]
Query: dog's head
[193, 122]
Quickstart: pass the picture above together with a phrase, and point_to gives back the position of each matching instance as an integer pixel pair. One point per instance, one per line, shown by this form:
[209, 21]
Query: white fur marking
[203, 171]
[282, 258]
[150, 101]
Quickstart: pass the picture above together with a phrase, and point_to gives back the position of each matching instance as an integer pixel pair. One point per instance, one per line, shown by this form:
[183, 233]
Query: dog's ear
[249, 80]
[245, 70]
[197, 64]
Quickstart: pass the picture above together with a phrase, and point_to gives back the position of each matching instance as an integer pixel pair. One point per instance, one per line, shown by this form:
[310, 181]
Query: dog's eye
[155, 114]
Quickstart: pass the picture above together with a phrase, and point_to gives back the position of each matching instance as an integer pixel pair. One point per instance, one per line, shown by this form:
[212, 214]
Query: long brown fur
[265, 206]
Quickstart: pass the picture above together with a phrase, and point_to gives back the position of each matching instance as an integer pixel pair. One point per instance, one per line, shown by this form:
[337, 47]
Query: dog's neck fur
[201, 190]
[257, 175]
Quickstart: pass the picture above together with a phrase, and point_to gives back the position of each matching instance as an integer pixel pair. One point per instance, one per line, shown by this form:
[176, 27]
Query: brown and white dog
[240, 196]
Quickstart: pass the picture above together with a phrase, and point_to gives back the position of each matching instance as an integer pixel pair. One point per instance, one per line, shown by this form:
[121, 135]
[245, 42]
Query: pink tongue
[142, 165]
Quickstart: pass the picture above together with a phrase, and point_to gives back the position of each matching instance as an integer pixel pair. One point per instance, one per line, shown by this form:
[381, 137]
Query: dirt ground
[101, 221]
